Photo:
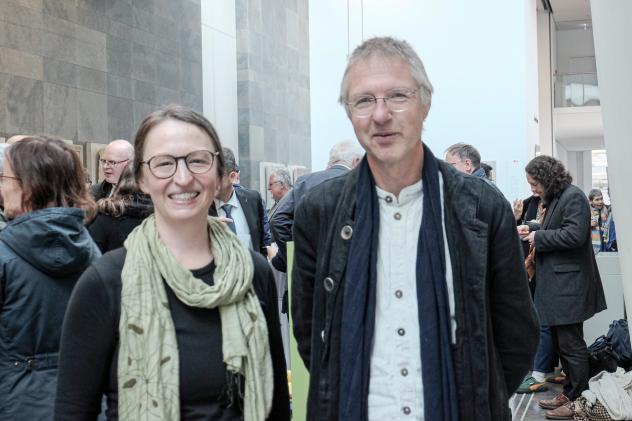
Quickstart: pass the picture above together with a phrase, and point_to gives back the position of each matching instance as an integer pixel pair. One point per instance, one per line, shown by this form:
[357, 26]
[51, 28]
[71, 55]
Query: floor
[525, 406]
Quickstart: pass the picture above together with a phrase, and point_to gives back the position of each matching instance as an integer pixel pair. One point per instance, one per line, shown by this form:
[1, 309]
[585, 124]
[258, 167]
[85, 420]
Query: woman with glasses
[121, 213]
[43, 251]
[181, 323]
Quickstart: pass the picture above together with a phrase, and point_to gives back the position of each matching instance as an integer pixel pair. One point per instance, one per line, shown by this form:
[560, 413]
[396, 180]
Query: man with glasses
[409, 294]
[279, 183]
[112, 161]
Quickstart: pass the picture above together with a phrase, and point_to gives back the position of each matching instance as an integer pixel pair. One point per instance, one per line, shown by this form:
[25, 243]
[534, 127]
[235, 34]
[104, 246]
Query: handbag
[618, 337]
[601, 356]
[529, 262]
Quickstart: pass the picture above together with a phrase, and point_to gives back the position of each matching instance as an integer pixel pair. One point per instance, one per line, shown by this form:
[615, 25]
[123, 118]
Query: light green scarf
[148, 361]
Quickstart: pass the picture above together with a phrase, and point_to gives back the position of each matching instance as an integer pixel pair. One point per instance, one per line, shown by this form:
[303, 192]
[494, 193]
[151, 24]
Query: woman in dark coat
[569, 289]
[120, 213]
[43, 251]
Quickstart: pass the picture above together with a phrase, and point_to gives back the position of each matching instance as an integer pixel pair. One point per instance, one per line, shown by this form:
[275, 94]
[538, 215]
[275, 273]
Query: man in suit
[113, 160]
[343, 156]
[569, 287]
[242, 206]
[279, 184]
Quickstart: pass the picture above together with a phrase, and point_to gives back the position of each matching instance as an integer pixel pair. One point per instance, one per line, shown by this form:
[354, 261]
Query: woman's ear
[141, 185]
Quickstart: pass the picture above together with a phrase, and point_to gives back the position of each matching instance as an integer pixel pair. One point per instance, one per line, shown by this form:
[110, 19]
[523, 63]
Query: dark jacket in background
[252, 206]
[497, 329]
[101, 190]
[110, 232]
[569, 286]
[283, 219]
[42, 255]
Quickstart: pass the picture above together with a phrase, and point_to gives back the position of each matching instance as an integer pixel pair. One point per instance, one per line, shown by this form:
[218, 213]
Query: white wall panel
[219, 69]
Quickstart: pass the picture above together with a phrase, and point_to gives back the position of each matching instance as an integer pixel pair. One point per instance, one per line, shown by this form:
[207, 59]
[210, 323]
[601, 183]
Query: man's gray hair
[282, 175]
[387, 47]
[3, 151]
[465, 151]
[345, 152]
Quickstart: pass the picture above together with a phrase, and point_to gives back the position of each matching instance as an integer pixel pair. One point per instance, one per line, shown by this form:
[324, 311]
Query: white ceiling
[571, 10]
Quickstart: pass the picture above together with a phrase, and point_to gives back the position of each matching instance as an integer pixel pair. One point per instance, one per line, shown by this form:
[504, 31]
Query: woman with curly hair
[569, 289]
[43, 251]
[121, 213]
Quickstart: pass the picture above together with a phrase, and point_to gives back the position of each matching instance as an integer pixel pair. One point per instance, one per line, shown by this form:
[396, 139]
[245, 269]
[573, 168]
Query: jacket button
[322, 335]
[329, 284]
[346, 232]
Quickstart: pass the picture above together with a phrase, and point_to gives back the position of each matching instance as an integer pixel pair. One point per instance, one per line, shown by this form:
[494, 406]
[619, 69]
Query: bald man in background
[116, 155]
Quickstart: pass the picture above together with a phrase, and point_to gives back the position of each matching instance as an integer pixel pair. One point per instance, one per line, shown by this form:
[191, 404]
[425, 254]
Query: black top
[89, 351]
[110, 232]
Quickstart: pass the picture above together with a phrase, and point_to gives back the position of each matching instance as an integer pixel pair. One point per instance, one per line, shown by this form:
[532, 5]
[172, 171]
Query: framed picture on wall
[79, 150]
[92, 153]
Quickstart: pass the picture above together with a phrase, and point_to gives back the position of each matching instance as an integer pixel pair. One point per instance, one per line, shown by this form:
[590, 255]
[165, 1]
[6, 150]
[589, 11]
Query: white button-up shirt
[395, 385]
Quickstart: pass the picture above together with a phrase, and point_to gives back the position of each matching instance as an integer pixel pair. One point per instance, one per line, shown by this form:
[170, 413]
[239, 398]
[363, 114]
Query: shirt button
[328, 284]
[401, 331]
[389, 199]
[404, 372]
[397, 216]
[399, 293]
[406, 410]
[346, 232]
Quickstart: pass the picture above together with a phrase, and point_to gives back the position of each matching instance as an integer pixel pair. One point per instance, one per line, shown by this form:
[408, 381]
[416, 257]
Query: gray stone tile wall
[91, 70]
[273, 84]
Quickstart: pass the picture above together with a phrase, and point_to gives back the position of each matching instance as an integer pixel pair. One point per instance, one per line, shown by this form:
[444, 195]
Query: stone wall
[91, 70]
[273, 84]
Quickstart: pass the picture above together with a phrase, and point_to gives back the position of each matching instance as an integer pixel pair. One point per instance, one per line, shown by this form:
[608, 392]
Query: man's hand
[531, 237]
[272, 249]
[225, 220]
[523, 231]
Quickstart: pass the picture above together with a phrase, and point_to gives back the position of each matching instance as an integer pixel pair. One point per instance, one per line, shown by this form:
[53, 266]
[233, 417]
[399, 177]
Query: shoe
[531, 385]
[554, 403]
[564, 412]
[556, 378]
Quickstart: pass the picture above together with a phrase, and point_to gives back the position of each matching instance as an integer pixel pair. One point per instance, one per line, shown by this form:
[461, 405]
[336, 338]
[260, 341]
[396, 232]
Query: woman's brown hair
[50, 175]
[123, 194]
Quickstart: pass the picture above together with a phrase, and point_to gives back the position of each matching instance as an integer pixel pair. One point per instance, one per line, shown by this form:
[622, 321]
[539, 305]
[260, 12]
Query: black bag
[601, 356]
[618, 337]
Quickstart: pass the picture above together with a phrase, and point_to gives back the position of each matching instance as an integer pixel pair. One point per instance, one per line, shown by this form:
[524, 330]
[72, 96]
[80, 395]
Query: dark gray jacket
[569, 286]
[282, 220]
[497, 329]
[42, 255]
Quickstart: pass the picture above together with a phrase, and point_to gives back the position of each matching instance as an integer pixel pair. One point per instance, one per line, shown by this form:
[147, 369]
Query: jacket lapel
[249, 212]
[549, 212]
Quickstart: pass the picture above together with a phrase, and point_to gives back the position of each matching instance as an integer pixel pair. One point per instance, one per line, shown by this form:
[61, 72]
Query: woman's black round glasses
[165, 166]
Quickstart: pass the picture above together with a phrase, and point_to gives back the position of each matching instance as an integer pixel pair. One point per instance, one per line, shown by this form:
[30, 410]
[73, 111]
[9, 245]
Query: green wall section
[300, 376]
